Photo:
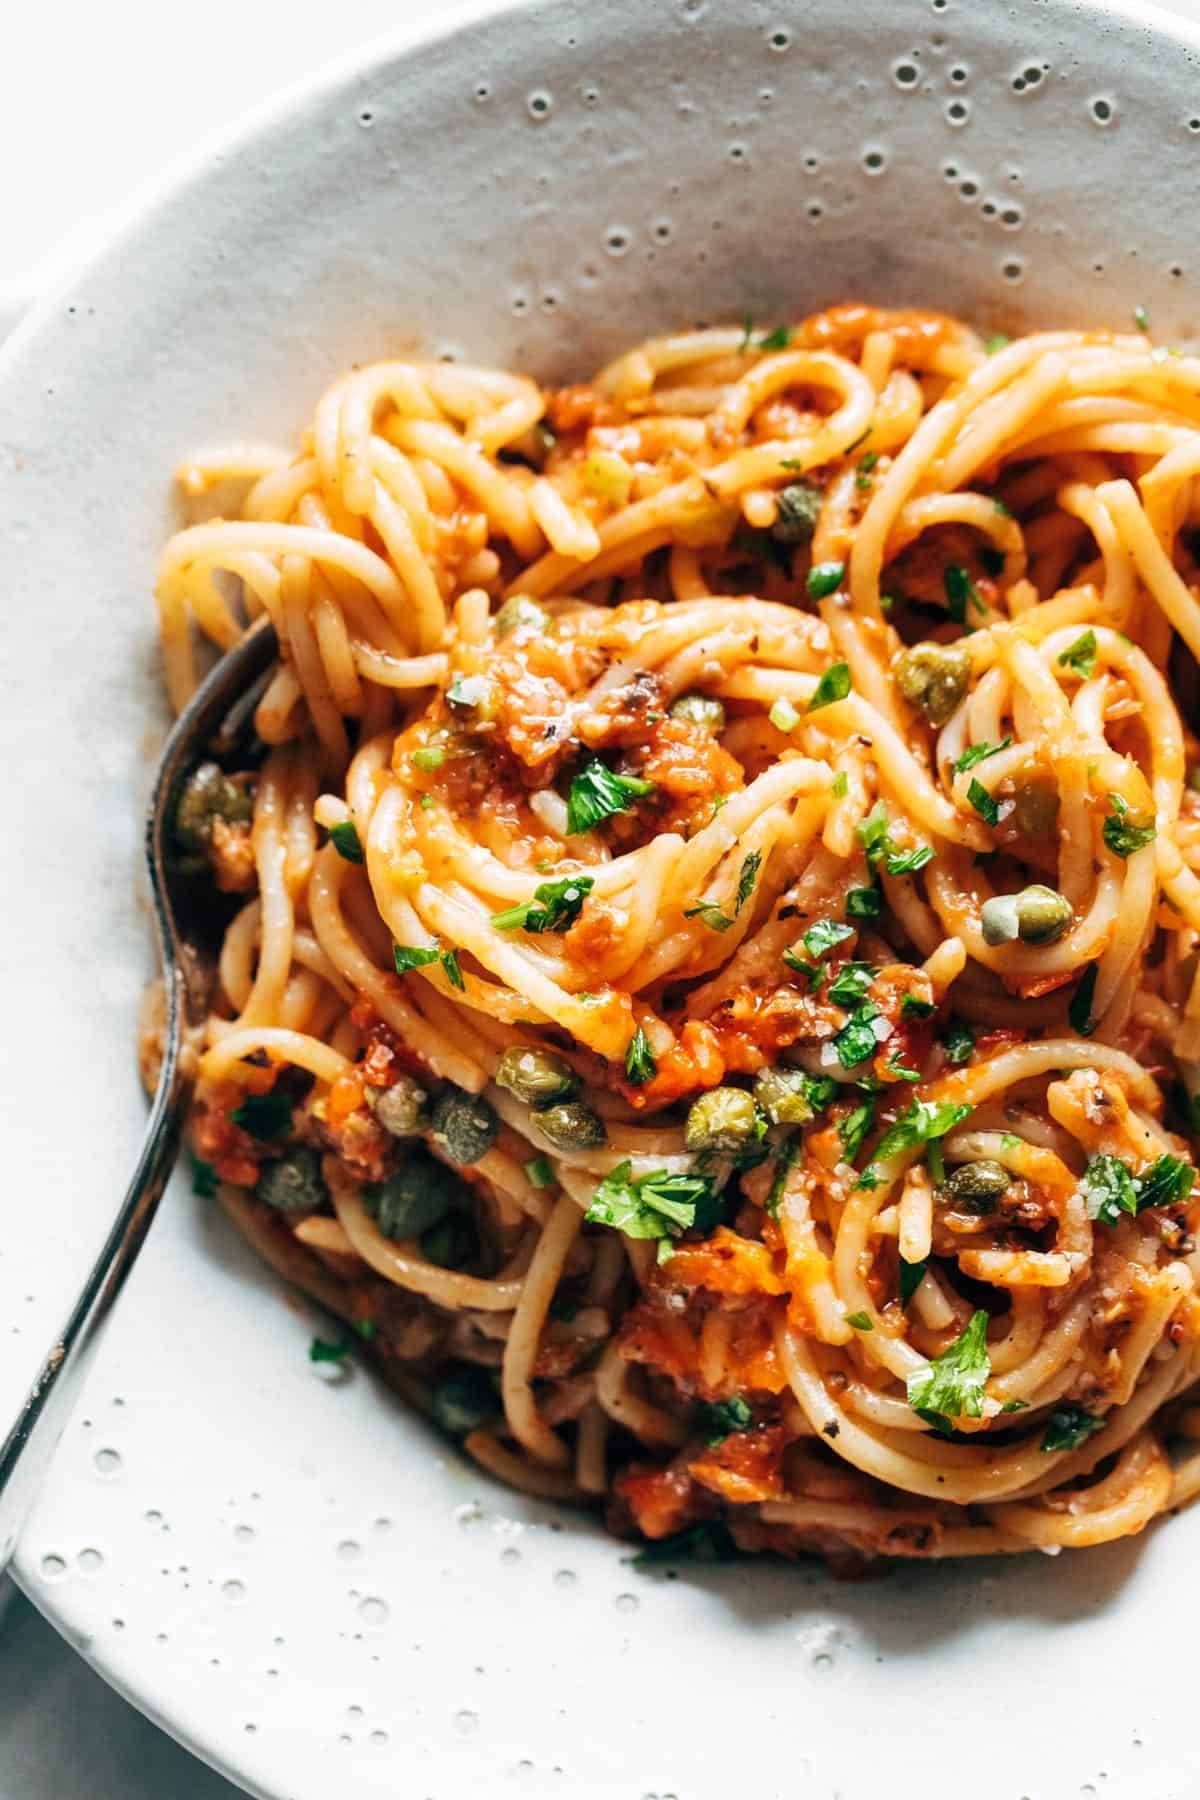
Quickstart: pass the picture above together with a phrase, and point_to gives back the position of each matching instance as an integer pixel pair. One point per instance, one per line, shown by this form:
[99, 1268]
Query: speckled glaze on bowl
[289, 1573]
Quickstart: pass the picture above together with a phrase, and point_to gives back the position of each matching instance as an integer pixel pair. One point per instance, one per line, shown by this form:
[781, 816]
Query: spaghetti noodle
[715, 995]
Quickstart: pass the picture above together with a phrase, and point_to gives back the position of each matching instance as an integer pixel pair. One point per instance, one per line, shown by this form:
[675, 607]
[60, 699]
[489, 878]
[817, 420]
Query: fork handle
[27, 1450]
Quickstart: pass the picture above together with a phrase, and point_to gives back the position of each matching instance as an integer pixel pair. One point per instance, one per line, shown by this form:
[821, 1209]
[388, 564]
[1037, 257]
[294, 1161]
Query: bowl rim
[92, 248]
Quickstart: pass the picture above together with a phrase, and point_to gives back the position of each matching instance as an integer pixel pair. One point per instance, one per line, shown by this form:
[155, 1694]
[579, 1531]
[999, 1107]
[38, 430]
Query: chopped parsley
[429, 757]
[856, 1040]
[978, 753]
[539, 1172]
[960, 590]
[779, 339]
[860, 1321]
[783, 715]
[1141, 318]
[560, 906]
[204, 1177]
[863, 903]
[264, 1116]
[849, 986]
[821, 937]
[998, 340]
[862, 479]
[852, 1130]
[1081, 657]
[983, 803]
[834, 685]
[724, 1416]
[911, 1276]
[597, 793]
[641, 1064]
[1079, 1012]
[657, 1205]
[1109, 1187]
[709, 1541]
[952, 1386]
[322, 1351]
[824, 578]
[872, 833]
[841, 785]
[789, 1149]
[416, 956]
[715, 916]
[900, 1070]
[1126, 832]
[958, 1041]
[345, 840]
[366, 1329]
[913, 1007]
[921, 1123]
[1069, 1426]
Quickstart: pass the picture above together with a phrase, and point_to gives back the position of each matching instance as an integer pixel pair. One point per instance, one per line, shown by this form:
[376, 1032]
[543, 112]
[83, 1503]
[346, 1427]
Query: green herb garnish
[834, 685]
[983, 803]
[555, 906]
[1126, 832]
[921, 1123]
[1069, 1426]
[824, 578]
[657, 1205]
[345, 840]
[1081, 657]
[641, 1065]
[721, 1417]
[597, 793]
[978, 753]
[322, 1351]
[952, 1386]
[264, 1116]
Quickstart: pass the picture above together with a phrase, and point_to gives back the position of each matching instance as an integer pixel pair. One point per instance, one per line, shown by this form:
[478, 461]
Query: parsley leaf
[952, 1385]
[834, 685]
[856, 1040]
[1081, 657]
[539, 1172]
[641, 1065]
[788, 1152]
[264, 1116]
[913, 1007]
[1167, 1182]
[597, 793]
[204, 1177]
[747, 879]
[978, 753]
[863, 903]
[656, 1205]
[959, 590]
[820, 938]
[983, 803]
[1108, 1189]
[852, 1130]
[345, 840]
[911, 1276]
[1069, 1426]
[921, 1123]
[561, 903]
[958, 1041]
[824, 578]
[850, 984]
[724, 1416]
[418, 956]
[779, 339]
[1126, 832]
[1079, 1012]
[708, 1541]
[907, 862]
[841, 785]
[860, 1321]
[321, 1351]
[713, 915]
[872, 833]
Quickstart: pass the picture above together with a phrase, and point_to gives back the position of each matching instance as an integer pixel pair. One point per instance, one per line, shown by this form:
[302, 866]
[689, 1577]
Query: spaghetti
[714, 993]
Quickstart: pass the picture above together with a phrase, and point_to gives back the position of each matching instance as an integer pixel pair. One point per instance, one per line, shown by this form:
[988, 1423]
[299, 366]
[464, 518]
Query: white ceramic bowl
[294, 1577]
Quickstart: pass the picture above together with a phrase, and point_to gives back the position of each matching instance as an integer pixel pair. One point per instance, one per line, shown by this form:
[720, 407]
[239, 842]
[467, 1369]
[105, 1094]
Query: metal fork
[216, 721]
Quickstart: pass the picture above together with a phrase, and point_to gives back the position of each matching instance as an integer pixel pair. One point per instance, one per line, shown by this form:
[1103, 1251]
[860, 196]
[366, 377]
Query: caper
[723, 1119]
[209, 794]
[293, 1183]
[536, 1076]
[701, 710]
[464, 1125]
[520, 614]
[797, 509]
[975, 1187]
[933, 677]
[463, 1398]
[570, 1125]
[1037, 915]
[401, 1108]
[451, 1243]
[1035, 808]
[782, 1094]
[418, 1195]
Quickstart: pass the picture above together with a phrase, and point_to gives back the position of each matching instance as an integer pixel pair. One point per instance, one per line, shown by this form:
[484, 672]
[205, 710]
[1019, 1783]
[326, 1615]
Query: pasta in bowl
[712, 1002]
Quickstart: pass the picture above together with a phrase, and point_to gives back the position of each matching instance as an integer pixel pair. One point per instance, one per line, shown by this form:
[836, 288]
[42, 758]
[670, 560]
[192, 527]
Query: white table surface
[95, 100]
